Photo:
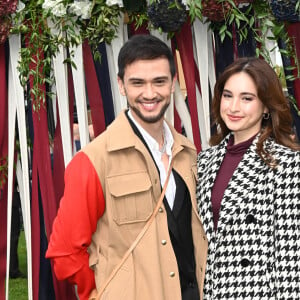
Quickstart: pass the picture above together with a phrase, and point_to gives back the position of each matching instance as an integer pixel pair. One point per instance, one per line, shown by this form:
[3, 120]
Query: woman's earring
[266, 116]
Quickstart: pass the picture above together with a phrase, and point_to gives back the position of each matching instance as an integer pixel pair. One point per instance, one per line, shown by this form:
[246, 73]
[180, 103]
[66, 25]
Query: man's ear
[121, 86]
[174, 83]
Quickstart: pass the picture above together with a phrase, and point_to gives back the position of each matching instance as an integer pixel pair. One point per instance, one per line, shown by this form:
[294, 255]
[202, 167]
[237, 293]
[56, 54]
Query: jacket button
[250, 219]
[245, 262]
[160, 210]
[163, 242]
[172, 274]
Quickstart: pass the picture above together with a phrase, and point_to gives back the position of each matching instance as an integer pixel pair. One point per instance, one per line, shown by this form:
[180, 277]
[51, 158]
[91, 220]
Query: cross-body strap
[138, 238]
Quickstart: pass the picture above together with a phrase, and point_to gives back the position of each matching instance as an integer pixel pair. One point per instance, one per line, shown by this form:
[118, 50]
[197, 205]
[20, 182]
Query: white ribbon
[80, 95]
[201, 50]
[272, 48]
[112, 52]
[211, 61]
[61, 80]
[17, 105]
[183, 112]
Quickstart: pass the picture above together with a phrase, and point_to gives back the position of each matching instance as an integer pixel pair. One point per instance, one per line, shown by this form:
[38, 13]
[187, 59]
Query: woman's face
[241, 109]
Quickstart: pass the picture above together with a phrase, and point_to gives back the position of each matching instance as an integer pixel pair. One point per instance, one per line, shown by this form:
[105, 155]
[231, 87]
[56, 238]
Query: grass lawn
[18, 287]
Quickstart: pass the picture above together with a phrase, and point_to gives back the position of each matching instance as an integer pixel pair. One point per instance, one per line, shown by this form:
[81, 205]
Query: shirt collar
[151, 142]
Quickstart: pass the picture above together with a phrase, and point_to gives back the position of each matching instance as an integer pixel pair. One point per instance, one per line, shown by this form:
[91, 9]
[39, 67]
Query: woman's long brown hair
[270, 92]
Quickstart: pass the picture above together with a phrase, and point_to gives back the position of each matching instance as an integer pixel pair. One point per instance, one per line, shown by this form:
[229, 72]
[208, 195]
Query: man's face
[148, 86]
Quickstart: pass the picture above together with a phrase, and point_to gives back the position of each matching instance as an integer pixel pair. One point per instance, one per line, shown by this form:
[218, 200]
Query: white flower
[56, 7]
[59, 10]
[81, 9]
[21, 6]
[49, 4]
[113, 2]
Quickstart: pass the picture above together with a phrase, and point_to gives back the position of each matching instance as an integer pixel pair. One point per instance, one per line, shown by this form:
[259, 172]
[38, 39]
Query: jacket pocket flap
[129, 184]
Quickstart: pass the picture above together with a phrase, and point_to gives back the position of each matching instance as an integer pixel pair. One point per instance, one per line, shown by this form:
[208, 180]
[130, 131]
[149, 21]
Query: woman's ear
[266, 110]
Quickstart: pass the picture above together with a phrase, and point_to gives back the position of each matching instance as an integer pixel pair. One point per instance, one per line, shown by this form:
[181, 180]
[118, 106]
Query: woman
[248, 188]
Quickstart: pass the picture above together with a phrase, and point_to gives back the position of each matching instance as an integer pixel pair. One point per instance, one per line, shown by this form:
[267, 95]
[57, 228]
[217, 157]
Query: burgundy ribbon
[185, 45]
[93, 90]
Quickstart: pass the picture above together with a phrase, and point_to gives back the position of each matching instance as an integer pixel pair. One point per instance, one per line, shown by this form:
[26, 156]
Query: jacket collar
[122, 136]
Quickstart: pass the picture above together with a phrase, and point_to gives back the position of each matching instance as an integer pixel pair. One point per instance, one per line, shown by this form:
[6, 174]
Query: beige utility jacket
[131, 187]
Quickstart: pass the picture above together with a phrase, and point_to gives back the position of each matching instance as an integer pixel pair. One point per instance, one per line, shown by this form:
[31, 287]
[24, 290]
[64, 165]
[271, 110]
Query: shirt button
[164, 242]
[172, 274]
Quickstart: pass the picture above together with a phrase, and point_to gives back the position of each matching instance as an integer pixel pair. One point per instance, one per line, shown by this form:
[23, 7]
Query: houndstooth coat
[255, 252]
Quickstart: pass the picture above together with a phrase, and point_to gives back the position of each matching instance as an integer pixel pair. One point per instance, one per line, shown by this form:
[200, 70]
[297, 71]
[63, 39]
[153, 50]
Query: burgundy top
[231, 160]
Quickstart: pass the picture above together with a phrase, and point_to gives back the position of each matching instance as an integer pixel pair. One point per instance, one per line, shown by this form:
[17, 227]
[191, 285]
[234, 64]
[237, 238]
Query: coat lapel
[246, 178]
[207, 174]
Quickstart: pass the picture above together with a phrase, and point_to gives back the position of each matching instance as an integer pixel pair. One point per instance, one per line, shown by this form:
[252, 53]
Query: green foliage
[3, 170]
[42, 42]
[70, 29]
[258, 19]
[101, 26]
[34, 62]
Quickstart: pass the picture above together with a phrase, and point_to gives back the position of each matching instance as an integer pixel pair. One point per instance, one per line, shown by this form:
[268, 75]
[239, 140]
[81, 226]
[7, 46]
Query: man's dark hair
[144, 47]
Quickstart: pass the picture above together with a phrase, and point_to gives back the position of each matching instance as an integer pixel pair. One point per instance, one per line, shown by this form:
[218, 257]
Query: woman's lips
[234, 118]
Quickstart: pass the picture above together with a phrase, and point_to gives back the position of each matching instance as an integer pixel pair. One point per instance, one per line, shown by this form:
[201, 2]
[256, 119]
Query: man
[113, 184]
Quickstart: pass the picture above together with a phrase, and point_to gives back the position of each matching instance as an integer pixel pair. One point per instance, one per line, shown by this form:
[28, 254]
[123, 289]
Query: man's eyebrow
[142, 79]
[161, 78]
[135, 78]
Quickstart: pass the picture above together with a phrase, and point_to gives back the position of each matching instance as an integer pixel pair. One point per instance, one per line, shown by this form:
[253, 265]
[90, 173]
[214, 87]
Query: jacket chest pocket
[131, 197]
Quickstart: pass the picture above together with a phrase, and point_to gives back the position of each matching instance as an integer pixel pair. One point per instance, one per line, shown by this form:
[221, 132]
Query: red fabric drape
[93, 91]
[185, 45]
[294, 32]
[3, 154]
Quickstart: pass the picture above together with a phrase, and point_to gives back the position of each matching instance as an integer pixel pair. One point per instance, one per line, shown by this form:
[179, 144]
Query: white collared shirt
[154, 148]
